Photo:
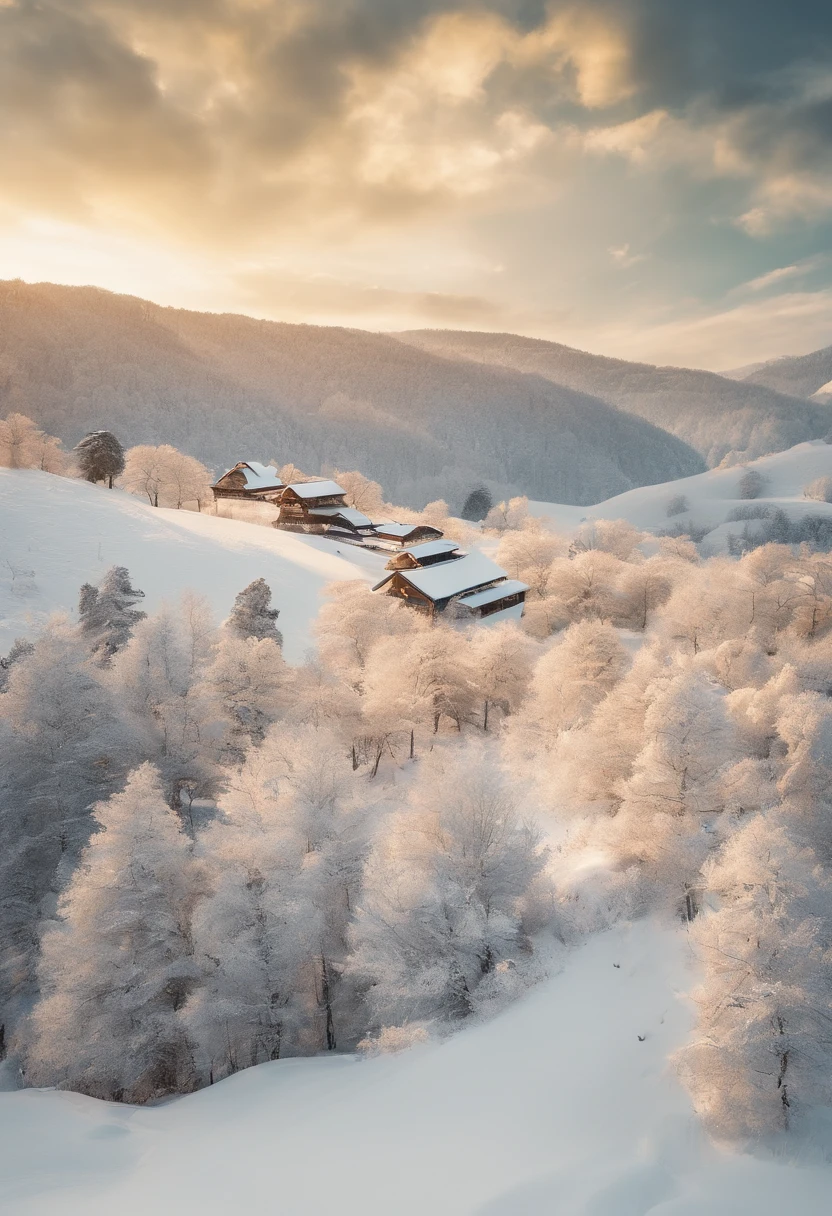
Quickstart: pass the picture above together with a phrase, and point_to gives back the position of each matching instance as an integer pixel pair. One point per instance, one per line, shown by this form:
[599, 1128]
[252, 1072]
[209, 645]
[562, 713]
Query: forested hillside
[224, 387]
[802, 375]
[714, 414]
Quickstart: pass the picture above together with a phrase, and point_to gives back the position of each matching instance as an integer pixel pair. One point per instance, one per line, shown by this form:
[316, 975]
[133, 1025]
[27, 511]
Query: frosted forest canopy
[211, 858]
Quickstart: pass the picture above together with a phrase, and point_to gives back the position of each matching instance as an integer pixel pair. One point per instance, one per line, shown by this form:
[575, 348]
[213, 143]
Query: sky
[650, 179]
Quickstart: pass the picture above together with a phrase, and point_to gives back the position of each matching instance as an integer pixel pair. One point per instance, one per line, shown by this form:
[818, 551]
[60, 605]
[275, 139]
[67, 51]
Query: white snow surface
[57, 533]
[552, 1108]
[261, 476]
[711, 495]
[316, 489]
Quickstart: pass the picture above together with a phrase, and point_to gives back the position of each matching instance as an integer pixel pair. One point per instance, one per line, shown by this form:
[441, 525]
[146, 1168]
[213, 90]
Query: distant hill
[714, 414]
[800, 375]
[226, 387]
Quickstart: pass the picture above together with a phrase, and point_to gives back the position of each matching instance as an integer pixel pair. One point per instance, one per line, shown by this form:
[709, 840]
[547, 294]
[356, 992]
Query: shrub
[820, 489]
[752, 484]
[678, 505]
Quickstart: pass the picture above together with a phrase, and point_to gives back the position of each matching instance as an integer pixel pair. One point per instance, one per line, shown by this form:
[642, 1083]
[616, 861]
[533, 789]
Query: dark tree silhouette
[252, 617]
[477, 505]
[100, 456]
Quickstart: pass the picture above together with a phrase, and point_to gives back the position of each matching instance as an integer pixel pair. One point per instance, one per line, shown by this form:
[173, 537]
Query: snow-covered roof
[402, 529]
[429, 548]
[445, 579]
[260, 476]
[315, 489]
[510, 586]
[356, 518]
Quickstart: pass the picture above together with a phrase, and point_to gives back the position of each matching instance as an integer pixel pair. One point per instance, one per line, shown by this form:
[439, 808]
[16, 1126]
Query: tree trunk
[485, 716]
[412, 742]
[378, 760]
[327, 1002]
[781, 1079]
[354, 759]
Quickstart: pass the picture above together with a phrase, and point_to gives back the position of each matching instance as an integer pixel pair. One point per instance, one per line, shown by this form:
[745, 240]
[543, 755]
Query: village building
[429, 553]
[320, 507]
[249, 481]
[471, 582]
[396, 536]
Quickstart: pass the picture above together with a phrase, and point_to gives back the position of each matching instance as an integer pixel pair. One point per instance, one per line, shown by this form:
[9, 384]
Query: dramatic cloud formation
[554, 167]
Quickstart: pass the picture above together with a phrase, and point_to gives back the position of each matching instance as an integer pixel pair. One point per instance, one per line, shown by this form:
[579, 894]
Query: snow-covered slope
[555, 1106]
[56, 534]
[711, 496]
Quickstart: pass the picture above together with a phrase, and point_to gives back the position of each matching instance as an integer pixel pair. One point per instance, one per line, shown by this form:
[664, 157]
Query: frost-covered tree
[117, 968]
[252, 615]
[20, 648]
[100, 457]
[166, 476]
[352, 620]
[250, 682]
[527, 553]
[24, 446]
[669, 802]
[171, 711]
[805, 725]
[413, 684]
[441, 904]
[61, 748]
[501, 662]
[248, 939]
[507, 515]
[568, 682]
[361, 493]
[107, 614]
[763, 1051]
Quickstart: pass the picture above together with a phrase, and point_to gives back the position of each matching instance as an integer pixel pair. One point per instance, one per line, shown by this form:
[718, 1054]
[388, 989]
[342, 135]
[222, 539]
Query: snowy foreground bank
[555, 1106]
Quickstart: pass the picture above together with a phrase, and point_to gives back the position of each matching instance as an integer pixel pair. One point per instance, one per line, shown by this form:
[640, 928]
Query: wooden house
[471, 582]
[397, 536]
[249, 481]
[429, 553]
[319, 507]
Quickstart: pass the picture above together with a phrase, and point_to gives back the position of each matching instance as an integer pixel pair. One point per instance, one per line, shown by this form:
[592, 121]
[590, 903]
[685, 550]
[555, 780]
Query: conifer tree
[100, 457]
[107, 614]
[252, 615]
[61, 748]
[118, 966]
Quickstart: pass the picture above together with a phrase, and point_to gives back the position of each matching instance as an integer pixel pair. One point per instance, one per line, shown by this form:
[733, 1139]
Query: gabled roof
[445, 579]
[258, 476]
[316, 489]
[430, 548]
[509, 586]
[356, 518]
[403, 530]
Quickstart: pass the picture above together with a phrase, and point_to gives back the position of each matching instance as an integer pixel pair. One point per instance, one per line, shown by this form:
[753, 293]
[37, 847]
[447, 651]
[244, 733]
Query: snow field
[57, 533]
[554, 1106]
[710, 495]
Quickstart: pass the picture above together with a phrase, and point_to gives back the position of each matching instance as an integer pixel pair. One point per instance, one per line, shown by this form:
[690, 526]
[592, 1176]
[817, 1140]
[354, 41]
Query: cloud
[324, 297]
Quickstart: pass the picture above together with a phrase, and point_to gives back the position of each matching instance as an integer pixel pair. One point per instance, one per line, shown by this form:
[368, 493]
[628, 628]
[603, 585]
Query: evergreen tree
[100, 457]
[20, 648]
[477, 505]
[61, 748]
[252, 617]
[118, 966]
[107, 614]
